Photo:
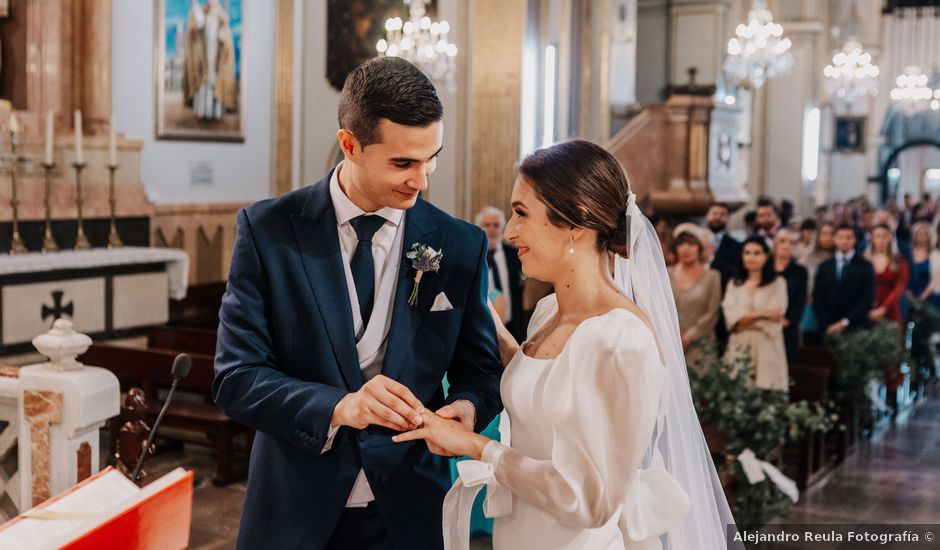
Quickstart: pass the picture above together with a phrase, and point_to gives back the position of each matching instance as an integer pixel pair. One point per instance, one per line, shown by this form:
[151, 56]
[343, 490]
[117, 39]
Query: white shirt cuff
[330, 435]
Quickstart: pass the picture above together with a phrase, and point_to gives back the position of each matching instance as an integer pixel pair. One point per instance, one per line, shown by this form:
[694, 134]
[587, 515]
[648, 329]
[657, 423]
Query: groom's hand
[381, 401]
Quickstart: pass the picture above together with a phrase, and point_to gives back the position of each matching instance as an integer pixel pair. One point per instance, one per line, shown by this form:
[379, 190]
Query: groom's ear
[348, 143]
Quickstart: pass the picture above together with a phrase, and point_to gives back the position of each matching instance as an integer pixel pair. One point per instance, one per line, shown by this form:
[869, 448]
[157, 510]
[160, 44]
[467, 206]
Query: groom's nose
[419, 181]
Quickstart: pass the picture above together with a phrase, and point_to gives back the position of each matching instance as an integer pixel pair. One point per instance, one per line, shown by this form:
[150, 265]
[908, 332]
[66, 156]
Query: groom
[320, 351]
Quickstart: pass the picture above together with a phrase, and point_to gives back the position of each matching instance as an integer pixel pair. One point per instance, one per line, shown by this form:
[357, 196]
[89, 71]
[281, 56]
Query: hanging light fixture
[759, 51]
[917, 88]
[422, 42]
[852, 75]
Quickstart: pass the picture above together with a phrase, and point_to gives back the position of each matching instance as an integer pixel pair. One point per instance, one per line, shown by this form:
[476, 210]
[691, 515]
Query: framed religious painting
[850, 135]
[353, 29]
[199, 68]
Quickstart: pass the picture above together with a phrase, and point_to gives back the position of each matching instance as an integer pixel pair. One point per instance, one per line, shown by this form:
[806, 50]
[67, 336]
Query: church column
[496, 70]
[93, 63]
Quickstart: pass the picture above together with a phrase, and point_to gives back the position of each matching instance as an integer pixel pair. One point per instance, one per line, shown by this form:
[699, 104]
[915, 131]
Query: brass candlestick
[114, 240]
[48, 241]
[16, 244]
[81, 240]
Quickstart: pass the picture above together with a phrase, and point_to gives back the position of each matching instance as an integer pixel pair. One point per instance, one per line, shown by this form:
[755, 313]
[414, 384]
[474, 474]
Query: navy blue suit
[286, 356]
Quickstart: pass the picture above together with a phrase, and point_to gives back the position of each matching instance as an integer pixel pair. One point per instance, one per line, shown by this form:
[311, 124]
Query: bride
[606, 451]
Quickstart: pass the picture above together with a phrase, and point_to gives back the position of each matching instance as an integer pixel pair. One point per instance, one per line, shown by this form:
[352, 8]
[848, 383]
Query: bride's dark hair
[582, 185]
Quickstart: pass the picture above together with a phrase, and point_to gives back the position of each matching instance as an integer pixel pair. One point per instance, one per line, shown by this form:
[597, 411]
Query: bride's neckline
[571, 337]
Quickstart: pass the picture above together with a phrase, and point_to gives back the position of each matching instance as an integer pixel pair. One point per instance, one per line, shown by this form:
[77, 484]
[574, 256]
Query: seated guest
[844, 288]
[797, 281]
[891, 275]
[754, 306]
[505, 271]
[696, 288]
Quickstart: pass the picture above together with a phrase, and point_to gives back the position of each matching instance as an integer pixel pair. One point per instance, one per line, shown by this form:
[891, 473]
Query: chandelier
[422, 42]
[851, 76]
[914, 41]
[758, 51]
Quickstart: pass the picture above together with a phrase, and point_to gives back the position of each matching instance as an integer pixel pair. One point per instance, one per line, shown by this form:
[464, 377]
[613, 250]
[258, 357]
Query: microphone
[181, 366]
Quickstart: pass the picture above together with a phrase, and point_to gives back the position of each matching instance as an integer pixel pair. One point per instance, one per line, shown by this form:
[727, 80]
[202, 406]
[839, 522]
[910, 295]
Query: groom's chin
[404, 201]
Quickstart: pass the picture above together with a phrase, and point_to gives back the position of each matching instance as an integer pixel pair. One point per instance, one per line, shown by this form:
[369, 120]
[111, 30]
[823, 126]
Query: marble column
[496, 98]
[93, 33]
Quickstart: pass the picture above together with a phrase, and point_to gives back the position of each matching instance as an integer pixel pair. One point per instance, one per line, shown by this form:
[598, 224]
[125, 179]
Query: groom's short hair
[390, 88]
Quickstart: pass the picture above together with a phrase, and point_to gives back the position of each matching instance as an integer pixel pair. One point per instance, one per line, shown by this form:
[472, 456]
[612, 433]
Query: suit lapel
[419, 228]
[318, 241]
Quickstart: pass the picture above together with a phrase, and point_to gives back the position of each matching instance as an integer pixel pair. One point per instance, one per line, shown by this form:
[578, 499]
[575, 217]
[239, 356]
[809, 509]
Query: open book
[107, 510]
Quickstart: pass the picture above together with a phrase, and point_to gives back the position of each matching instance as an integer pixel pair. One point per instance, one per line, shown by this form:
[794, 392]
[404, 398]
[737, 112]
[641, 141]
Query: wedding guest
[766, 220]
[804, 245]
[505, 270]
[797, 281]
[844, 288]
[891, 275]
[754, 306]
[664, 231]
[922, 282]
[725, 260]
[697, 290]
[823, 248]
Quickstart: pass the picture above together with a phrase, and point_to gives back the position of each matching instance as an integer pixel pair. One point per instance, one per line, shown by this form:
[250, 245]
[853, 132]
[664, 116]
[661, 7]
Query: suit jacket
[286, 355]
[797, 279]
[517, 326]
[850, 298]
[725, 262]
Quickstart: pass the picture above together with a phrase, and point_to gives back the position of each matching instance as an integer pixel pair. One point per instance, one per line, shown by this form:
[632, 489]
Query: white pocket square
[441, 303]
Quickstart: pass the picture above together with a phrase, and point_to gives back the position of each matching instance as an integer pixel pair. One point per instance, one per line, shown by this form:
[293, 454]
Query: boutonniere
[424, 259]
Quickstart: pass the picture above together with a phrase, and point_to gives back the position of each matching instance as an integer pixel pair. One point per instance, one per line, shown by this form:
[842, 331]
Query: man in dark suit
[322, 352]
[726, 258]
[844, 287]
[505, 270]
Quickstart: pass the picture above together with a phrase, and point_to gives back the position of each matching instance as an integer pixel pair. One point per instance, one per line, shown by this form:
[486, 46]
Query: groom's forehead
[419, 142]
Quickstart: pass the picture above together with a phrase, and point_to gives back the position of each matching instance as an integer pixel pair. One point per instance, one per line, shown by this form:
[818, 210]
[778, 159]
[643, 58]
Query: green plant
[863, 356]
[752, 418]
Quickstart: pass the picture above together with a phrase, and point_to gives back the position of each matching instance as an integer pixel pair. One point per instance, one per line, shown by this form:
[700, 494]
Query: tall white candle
[79, 153]
[49, 136]
[112, 145]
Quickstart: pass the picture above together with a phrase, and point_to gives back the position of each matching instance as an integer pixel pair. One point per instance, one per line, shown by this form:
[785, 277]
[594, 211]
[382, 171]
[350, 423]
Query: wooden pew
[810, 382]
[149, 369]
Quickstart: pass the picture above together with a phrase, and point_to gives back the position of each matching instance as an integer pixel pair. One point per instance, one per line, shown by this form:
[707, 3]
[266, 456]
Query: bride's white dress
[578, 467]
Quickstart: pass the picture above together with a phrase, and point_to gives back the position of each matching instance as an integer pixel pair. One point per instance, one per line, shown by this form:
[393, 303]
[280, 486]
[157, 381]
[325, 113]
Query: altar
[105, 293]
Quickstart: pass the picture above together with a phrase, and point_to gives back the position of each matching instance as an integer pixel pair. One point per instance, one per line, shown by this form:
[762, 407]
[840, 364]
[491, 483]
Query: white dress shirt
[372, 341]
[499, 258]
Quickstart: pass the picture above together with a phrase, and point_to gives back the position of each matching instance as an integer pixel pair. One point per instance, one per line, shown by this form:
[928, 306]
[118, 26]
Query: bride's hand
[448, 435]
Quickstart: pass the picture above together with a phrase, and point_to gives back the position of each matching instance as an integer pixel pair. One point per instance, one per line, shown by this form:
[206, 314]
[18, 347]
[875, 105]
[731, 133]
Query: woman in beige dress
[697, 290]
[754, 307]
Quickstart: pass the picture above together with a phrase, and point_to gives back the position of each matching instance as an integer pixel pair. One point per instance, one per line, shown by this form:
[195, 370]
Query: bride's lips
[522, 251]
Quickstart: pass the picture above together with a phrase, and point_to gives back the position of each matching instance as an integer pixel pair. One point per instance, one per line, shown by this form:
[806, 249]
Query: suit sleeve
[820, 294]
[248, 386]
[797, 299]
[475, 371]
[858, 315]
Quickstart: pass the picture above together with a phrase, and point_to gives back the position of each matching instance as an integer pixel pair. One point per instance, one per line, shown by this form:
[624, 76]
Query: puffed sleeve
[544, 309]
[602, 397]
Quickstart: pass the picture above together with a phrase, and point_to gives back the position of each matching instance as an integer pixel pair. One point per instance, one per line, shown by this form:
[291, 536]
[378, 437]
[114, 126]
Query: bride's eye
[519, 213]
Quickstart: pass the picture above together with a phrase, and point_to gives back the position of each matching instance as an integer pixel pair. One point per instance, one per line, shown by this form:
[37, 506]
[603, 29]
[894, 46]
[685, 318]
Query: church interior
[134, 132]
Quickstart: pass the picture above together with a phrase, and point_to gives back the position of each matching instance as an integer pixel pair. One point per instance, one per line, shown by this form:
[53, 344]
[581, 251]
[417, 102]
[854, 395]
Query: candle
[49, 136]
[112, 145]
[79, 154]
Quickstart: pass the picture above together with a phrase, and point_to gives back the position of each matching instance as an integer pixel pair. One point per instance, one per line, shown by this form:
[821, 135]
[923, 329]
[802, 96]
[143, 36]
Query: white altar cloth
[177, 263]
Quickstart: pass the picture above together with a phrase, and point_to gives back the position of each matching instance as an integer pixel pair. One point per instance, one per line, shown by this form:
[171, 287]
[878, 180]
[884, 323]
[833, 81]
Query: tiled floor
[894, 478]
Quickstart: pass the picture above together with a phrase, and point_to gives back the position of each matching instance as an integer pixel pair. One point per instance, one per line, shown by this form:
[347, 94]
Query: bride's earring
[571, 244]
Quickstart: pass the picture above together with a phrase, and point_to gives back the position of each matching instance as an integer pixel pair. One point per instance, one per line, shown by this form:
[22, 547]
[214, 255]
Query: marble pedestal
[62, 406]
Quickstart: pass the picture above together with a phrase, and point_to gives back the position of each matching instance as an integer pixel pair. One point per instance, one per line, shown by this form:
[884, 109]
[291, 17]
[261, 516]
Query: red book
[108, 511]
